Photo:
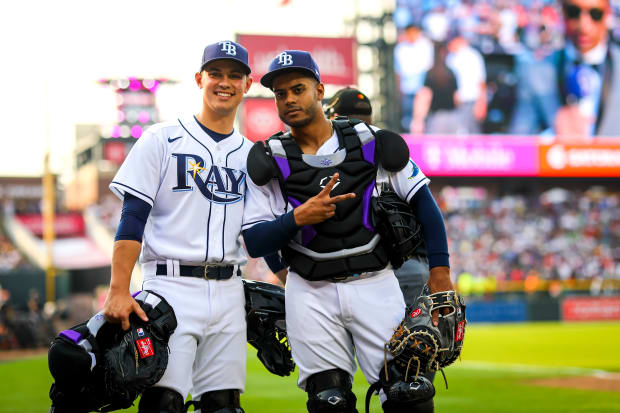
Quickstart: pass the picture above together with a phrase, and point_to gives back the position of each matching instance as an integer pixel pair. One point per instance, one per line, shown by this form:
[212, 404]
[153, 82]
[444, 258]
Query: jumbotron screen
[541, 77]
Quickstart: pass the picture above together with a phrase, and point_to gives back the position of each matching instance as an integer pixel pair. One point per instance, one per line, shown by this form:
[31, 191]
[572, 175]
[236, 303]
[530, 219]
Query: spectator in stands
[435, 105]
[468, 66]
[573, 92]
[412, 58]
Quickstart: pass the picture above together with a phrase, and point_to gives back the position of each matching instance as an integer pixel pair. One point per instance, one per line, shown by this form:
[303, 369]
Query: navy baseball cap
[291, 60]
[348, 101]
[226, 49]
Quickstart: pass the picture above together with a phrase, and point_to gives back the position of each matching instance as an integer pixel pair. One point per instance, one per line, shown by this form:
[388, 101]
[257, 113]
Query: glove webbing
[411, 336]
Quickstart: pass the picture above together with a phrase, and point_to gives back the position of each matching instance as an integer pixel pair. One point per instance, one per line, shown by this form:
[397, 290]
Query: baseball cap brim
[267, 79]
[245, 67]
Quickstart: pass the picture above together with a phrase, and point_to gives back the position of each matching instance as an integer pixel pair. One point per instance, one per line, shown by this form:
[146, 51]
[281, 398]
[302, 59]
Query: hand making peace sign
[320, 207]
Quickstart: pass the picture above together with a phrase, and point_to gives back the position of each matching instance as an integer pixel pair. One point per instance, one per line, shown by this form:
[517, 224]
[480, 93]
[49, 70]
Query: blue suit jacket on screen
[539, 96]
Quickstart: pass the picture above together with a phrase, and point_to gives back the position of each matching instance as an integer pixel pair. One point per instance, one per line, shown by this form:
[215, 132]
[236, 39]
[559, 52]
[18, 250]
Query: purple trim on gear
[307, 232]
[369, 151]
[366, 206]
[284, 167]
[71, 335]
[134, 295]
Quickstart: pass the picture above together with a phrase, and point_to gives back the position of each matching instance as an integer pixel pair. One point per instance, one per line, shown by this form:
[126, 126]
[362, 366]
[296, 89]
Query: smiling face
[587, 22]
[298, 98]
[223, 84]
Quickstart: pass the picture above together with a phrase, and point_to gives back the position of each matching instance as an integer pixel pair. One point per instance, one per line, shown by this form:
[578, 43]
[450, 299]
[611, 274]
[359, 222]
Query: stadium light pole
[48, 209]
[375, 32]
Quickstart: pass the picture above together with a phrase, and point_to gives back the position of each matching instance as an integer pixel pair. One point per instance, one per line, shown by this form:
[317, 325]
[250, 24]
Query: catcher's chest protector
[345, 244]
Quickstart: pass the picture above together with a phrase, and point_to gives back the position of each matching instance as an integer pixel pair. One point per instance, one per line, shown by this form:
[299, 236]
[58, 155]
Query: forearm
[266, 238]
[433, 228]
[275, 263]
[124, 257]
[439, 279]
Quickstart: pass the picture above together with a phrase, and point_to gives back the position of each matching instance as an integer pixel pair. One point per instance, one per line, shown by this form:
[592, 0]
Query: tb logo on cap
[229, 48]
[285, 59]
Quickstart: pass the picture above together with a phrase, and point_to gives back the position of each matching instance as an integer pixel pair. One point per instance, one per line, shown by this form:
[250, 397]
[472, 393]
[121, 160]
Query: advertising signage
[335, 56]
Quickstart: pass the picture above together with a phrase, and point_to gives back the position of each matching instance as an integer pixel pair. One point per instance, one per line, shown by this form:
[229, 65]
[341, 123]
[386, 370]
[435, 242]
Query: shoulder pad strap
[347, 136]
[276, 148]
[160, 313]
[392, 150]
[76, 333]
[261, 167]
[364, 133]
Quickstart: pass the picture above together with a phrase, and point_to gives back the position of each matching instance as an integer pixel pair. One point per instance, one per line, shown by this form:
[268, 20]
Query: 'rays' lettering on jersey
[222, 185]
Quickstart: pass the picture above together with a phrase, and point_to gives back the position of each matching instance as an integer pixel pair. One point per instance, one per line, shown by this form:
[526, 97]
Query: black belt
[211, 272]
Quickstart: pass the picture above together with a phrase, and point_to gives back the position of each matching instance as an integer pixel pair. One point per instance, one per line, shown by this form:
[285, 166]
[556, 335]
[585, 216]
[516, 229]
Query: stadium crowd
[557, 235]
[506, 26]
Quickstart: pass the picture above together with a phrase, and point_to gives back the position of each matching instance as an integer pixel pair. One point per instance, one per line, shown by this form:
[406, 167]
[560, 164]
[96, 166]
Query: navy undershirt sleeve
[275, 262]
[133, 218]
[268, 237]
[433, 227]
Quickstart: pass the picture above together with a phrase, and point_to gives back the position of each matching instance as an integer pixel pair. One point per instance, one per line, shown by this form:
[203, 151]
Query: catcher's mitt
[99, 367]
[394, 220]
[140, 356]
[264, 305]
[417, 345]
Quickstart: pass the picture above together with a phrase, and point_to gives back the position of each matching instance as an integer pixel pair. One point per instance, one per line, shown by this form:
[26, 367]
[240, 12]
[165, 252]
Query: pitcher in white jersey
[183, 188]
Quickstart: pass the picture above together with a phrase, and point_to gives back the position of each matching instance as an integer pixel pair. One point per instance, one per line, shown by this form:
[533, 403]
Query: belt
[354, 277]
[210, 272]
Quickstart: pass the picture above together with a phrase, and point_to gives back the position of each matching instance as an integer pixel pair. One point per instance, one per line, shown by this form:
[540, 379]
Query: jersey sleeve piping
[250, 224]
[415, 188]
[119, 190]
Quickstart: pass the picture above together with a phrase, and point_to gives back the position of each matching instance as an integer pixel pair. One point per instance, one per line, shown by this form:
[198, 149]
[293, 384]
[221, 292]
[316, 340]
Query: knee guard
[330, 392]
[161, 400]
[219, 401]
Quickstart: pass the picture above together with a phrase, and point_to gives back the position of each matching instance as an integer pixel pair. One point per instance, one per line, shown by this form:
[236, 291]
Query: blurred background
[508, 106]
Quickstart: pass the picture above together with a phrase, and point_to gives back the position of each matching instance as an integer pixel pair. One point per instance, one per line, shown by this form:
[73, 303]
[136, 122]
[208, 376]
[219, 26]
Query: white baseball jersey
[328, 323]
[196, 187]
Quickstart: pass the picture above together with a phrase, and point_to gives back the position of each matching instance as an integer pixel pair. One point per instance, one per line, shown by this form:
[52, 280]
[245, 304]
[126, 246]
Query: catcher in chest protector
[342, 230]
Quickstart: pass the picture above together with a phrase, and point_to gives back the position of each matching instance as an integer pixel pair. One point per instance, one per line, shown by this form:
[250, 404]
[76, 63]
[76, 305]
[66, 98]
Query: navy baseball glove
[264, 305]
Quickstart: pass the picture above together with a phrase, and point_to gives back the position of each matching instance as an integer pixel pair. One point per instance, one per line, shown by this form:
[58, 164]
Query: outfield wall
[542, 307]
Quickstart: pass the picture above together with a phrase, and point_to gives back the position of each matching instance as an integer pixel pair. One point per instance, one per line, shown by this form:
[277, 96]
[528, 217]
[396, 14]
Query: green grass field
[495, 375]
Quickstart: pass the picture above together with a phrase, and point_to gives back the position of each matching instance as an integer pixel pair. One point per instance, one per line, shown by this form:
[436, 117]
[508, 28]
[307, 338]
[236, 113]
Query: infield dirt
[605, 382]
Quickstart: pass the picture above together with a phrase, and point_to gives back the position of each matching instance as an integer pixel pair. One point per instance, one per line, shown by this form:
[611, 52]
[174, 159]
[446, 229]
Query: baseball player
[183, 187]
[413, 274]
[342, 298]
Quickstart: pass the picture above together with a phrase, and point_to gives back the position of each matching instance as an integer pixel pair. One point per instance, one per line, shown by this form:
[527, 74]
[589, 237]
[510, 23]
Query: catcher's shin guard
[395, 407]
[219, 401]
[412, 396]
[330, 392]
[161, 400]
